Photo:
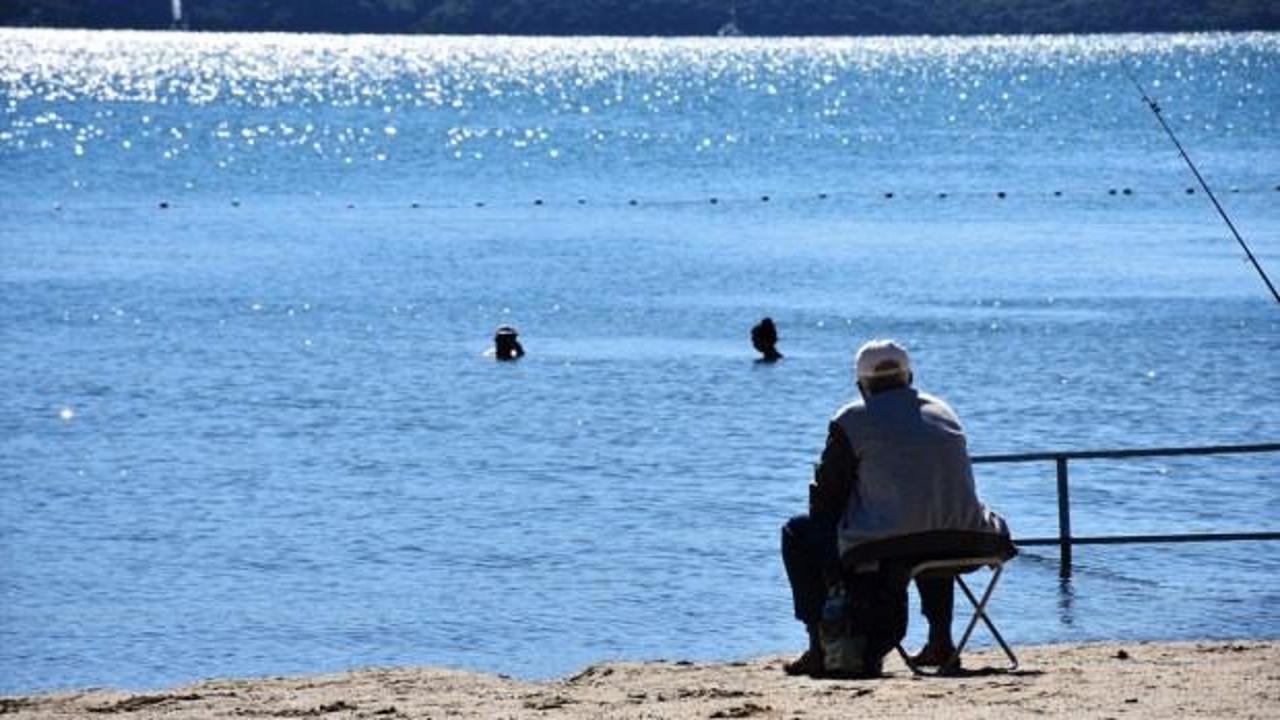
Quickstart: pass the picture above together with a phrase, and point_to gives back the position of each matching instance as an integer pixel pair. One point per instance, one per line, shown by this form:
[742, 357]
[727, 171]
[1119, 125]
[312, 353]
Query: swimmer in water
[505, 344]
[764, 338]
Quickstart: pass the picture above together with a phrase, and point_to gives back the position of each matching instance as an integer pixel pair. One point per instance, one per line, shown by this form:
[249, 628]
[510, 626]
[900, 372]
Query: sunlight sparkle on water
[456, 86]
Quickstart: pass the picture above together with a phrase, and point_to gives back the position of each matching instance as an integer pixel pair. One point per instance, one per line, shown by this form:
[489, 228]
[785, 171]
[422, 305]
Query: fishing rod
[1160, 116]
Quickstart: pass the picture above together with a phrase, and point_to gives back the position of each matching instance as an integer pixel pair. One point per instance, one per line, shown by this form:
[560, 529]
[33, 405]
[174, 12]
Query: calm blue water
[254, 432]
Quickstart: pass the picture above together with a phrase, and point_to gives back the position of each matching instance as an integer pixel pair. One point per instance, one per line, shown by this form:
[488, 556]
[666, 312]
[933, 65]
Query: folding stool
[954, 567]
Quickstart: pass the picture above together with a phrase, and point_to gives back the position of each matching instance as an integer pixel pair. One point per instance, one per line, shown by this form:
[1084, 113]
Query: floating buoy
[235, 202]
[764, 198]
[479, 204]
[823, 196]
[164, 205]
[1000, 195]
[537, 201]
[1191, 191]
[413, 205]
[714, 201]
[351, 206]
[582, 201]
[1127, 191]
[633, 202]
[888, 196]
[942, 195]
[1057, 193]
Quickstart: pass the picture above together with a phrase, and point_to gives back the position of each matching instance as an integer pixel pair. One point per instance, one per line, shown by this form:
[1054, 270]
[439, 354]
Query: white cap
[882, 358]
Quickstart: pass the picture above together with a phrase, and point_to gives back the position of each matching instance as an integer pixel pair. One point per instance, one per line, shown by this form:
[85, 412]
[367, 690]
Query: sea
[248, 282]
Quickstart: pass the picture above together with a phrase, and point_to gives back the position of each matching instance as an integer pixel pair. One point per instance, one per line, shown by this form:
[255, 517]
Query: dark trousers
[810, 555]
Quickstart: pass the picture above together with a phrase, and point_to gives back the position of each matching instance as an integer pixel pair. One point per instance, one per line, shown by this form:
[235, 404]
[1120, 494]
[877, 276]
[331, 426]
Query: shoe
[936, 656]
[809, 663]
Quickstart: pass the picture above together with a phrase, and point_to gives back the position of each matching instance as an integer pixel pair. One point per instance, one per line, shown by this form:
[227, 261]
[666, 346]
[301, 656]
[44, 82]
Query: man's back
[913, 470]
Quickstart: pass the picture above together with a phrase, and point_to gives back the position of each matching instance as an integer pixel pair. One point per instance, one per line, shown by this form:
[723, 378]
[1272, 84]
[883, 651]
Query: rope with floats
[863, 195]
[1155, 109]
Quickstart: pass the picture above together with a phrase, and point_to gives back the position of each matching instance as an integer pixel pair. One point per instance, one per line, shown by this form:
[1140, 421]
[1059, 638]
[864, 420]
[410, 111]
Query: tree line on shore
[657, 17]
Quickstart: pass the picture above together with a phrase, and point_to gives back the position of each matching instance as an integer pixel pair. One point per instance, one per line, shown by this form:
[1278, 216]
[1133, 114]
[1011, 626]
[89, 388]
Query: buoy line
[765, 198]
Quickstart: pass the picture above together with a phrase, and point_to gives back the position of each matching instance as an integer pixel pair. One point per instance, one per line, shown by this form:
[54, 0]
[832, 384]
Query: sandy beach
[1220, 679]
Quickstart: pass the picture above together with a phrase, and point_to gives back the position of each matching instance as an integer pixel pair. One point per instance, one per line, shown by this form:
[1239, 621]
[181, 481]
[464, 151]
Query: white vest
[913, 467]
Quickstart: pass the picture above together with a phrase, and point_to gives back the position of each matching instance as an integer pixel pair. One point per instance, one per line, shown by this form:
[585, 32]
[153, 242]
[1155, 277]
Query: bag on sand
[863, 618]
[843, 652]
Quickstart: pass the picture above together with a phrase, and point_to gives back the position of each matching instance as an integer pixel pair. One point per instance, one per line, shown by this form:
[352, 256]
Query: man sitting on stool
[895, 464]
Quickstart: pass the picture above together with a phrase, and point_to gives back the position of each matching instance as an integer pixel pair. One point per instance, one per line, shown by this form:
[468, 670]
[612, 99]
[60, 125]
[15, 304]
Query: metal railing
[1065, 540]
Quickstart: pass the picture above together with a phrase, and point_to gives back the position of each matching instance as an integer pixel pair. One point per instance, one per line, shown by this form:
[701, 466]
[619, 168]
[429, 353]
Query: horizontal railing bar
[1126, 539]
[1136, 452]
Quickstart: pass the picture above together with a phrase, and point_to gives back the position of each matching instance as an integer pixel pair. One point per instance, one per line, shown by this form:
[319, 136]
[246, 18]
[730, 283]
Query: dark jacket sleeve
[835, 476]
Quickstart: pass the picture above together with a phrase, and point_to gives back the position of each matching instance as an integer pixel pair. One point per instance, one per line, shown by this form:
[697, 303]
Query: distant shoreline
[645, 18]
[1131, 679]
[623, 36]
[743, 38]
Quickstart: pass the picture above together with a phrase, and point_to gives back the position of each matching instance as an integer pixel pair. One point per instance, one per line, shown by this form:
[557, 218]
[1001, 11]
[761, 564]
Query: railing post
[1064, 519]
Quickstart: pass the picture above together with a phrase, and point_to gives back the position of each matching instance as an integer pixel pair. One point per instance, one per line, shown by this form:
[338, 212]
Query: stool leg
[906, 659]
[980, 612]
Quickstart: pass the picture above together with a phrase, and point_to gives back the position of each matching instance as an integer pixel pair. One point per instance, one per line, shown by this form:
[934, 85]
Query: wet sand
[1219, 679]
